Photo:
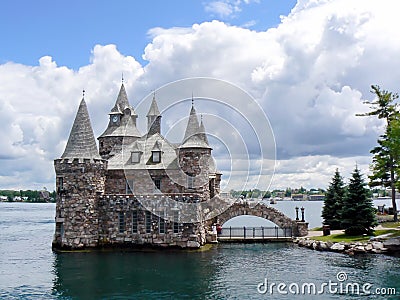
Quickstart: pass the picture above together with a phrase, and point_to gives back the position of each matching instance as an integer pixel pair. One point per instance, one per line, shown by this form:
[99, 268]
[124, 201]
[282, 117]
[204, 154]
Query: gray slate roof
[81, 142]
[122, 102]
[192, 127]
[145, 144]
[202, 132]
[126, 128]
[195, 136]
[154, 111]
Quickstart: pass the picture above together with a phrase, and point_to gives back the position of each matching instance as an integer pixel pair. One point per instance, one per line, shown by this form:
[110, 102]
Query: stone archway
[263, 211]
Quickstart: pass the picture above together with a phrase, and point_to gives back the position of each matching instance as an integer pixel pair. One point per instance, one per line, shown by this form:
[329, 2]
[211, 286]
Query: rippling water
[29, 269]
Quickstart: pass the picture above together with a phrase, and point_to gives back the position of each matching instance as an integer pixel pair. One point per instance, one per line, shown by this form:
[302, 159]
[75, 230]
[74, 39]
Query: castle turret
[121, 126]
[194, 157]
[153, 118]
[80, 178]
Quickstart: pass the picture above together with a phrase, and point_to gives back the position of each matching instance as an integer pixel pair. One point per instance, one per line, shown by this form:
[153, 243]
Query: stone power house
[128, 194]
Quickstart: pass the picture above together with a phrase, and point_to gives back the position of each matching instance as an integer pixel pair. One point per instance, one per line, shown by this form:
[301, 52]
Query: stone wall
[118, 226]
[195, 162]
[79, 184]
[142, 182]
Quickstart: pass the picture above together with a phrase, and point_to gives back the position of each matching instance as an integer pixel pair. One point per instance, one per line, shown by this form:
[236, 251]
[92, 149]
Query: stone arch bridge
[299, 228]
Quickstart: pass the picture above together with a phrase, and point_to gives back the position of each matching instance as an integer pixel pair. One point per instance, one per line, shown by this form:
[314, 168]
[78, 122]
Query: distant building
[280, 194]
[314, 197]
[299, 197]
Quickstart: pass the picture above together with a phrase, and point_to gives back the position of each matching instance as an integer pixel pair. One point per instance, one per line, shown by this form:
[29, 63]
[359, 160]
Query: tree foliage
[386, 156]
[358, 213]
[331, 212]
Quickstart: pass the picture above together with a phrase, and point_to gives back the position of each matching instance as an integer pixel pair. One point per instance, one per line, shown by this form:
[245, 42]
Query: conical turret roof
[154, 111]
[202, 132]
[81, 142]
[194, 136]
[192, 127]
[122, 102]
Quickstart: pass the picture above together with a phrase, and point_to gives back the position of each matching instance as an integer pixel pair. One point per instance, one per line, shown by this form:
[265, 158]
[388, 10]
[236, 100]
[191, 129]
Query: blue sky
[68, 30]
[307, 64]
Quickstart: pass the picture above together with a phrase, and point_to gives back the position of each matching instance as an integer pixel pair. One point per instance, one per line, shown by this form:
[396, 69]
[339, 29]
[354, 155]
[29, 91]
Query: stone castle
[142, 190]
[130, 191]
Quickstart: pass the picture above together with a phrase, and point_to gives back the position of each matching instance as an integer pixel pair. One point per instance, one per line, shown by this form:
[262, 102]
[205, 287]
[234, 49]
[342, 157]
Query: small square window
[135, 157]
[156, 156]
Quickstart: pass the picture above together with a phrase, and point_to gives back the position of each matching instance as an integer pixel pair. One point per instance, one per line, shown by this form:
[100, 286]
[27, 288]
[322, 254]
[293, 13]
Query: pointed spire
[192, 127]
[81, 142]
[122, 101]
[202, 131]
[195, 136]
[154, 111]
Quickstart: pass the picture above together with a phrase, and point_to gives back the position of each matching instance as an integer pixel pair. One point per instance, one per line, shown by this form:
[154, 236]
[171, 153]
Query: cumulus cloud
[310, 75]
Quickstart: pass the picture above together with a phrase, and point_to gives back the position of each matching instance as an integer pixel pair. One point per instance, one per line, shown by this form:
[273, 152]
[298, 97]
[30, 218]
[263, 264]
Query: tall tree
[331, 212]
[358, 213]
[385, 162]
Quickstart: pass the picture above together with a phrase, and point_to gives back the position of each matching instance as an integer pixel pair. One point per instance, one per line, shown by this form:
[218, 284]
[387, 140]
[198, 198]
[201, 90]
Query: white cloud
[310, 75]
[225, 8]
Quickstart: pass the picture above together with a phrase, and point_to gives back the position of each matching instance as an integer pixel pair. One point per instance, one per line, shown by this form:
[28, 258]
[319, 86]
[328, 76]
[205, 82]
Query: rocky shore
[376, 246]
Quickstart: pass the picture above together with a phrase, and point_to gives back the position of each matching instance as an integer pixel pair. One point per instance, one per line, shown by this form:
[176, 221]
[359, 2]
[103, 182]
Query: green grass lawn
[390, 224]
[341, 237]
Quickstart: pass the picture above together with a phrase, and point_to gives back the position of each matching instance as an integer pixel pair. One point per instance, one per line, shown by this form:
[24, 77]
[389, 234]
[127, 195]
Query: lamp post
[302, 214]
[297, 213]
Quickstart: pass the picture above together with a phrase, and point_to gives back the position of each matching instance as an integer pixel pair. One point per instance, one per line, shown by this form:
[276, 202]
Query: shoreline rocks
[372, 246]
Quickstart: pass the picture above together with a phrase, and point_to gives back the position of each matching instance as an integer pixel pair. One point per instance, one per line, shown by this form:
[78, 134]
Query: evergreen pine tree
[358, 213]
[333, 202]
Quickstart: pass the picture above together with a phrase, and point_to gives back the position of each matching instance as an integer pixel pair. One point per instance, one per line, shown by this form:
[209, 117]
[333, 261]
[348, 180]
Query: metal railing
[255, 232]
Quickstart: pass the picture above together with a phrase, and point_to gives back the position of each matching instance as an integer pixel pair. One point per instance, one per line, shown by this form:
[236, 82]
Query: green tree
[267, 195]
[358, 213]
[385, 159]
[288, 192]
[334, 196]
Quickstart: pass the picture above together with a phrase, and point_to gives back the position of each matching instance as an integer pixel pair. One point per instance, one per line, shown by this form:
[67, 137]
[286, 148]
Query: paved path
[319, 233]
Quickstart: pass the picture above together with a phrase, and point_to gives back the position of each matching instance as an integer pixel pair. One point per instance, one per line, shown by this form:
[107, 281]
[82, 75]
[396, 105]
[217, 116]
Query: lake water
[30, 270]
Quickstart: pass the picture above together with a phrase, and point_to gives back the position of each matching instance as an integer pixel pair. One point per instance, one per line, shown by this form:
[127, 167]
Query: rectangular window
[60, 184]
[161, 223]
[156, 156]
[129, 187]
[135, 221]
[157, 183]
[190, 182]
[135, 157]
[148, 222]
[60, 228]
[121, 218]
[176, 222]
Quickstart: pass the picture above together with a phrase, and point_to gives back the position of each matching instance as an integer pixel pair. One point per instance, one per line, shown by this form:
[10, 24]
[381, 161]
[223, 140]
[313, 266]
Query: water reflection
[154, 275]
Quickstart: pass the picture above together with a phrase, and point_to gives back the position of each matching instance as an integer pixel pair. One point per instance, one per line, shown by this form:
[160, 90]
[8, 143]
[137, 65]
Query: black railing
[255, 232]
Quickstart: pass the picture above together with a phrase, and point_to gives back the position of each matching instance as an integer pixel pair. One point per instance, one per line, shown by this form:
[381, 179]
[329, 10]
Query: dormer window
[156, 156]
[156, 153]
[135, 157]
